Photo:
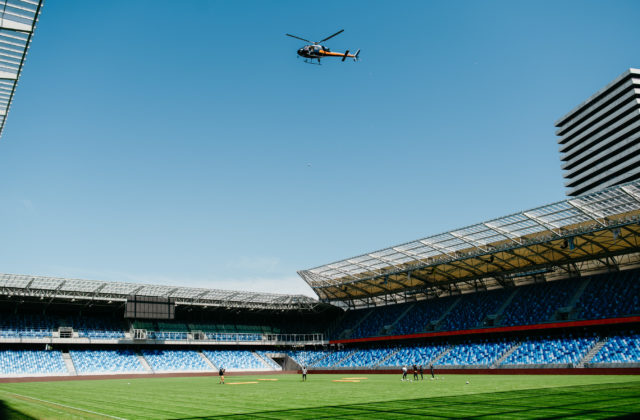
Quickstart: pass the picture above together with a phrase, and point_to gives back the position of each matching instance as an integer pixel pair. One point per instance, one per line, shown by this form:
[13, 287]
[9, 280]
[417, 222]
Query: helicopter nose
[300, 51]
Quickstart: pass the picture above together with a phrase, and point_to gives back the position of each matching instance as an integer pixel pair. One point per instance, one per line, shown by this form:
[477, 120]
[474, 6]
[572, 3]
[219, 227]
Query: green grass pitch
[378, 396]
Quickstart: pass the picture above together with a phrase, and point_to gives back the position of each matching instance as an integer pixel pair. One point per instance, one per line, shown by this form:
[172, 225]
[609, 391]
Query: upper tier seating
[483, 353]
[419, 317]
[166, 335]
[350, 320]
[619, 348]
[380, 317]
[606, 295]
[234, 359]
[564, 350]
[36, 362]
[611, 295]
[26, 325]
[473, 309]
[175, 360]
[95, 327]
[536, 303]
[102, 361]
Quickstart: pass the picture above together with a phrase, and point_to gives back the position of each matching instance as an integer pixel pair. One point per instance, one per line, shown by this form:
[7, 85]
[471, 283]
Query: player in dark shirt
[415, 372]
[431, 367]
[221, 374]
[421, 372]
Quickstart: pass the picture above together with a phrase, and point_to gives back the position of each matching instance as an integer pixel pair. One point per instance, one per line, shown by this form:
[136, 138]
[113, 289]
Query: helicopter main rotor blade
[297, 37]
[329, 37]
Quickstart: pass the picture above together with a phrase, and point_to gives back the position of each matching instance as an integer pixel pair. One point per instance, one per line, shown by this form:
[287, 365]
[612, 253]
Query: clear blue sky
[183, 143]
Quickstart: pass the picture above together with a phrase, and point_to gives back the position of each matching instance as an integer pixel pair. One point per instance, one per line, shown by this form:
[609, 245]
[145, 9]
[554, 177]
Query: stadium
[530, 315]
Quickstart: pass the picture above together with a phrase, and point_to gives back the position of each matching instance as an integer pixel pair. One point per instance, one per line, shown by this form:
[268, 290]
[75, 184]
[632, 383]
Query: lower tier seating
[483, 353]
[234, 359]
[566, 350]
[105, 361]
[36, 362]
[619, 348]
[175, 360]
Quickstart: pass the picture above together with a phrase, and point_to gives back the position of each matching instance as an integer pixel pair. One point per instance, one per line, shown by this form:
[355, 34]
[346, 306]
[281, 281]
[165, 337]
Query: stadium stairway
[381, 361]
[506, 354]
[344, 358]
[66, 357]
[399, 318]
[441, 355]
[262, 359]
[144, 363]
[504, 306]
[347, 333]
[574, 299]
[592, 352]
[207, 361]
[446, 313]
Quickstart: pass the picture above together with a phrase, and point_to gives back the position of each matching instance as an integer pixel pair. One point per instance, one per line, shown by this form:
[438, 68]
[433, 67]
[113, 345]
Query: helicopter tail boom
[346, 54]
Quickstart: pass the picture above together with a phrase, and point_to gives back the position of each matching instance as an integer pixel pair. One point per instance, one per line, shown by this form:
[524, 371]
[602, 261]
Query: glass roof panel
[17, 23]
[610, 202]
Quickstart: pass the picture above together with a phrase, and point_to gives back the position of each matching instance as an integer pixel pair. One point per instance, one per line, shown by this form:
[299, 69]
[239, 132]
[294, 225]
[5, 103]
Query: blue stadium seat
[105, 361]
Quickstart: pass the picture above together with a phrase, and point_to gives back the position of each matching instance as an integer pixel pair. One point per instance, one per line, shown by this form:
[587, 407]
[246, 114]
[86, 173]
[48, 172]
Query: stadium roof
[597, 225]
[54, 287]
[17, 22]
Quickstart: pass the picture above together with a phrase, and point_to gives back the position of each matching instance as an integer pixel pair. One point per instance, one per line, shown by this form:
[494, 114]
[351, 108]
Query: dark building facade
[600, 138]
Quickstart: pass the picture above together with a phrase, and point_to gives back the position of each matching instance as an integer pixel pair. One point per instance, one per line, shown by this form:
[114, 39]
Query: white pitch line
[66, 406]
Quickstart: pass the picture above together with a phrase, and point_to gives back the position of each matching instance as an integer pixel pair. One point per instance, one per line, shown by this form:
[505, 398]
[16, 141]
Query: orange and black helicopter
[317, 51]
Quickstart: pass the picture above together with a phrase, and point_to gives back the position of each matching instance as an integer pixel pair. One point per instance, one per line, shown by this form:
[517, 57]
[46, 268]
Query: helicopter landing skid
[310, 61]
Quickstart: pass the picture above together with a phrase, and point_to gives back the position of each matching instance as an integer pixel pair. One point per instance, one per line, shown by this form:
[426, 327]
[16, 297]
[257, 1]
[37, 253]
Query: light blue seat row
[268, 359]
[483, 353]
[565, 350]
[366, 357]
[620, 348]
[101, 361]
[175, 360]
[234, 359]
[419, 355]
[307, 357]
[37, 362]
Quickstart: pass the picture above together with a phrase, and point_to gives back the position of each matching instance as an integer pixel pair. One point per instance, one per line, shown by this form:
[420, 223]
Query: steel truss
[598, 231]
[92, 290]
[18, 20]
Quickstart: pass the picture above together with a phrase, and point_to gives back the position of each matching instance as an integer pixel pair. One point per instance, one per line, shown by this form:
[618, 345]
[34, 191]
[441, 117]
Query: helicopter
[317, 51]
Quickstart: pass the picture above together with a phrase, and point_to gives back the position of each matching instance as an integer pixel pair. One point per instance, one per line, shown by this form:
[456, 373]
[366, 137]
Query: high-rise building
[600, 138]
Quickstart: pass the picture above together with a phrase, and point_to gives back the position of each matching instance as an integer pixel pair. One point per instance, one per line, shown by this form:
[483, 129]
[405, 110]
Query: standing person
[415, 372]
[431, 367]
[304, 373]
[221, 375]
[421, 372]
[404, 372]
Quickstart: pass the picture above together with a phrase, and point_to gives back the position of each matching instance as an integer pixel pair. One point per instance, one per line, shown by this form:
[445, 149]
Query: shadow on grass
[620, 400]
[7, 412]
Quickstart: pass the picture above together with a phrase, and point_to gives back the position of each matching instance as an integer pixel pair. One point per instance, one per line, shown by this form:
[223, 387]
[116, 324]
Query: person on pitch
[304, 373]
[221, 375]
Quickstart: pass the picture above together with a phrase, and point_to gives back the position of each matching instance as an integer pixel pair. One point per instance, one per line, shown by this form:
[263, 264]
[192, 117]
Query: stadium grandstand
[553, 287]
